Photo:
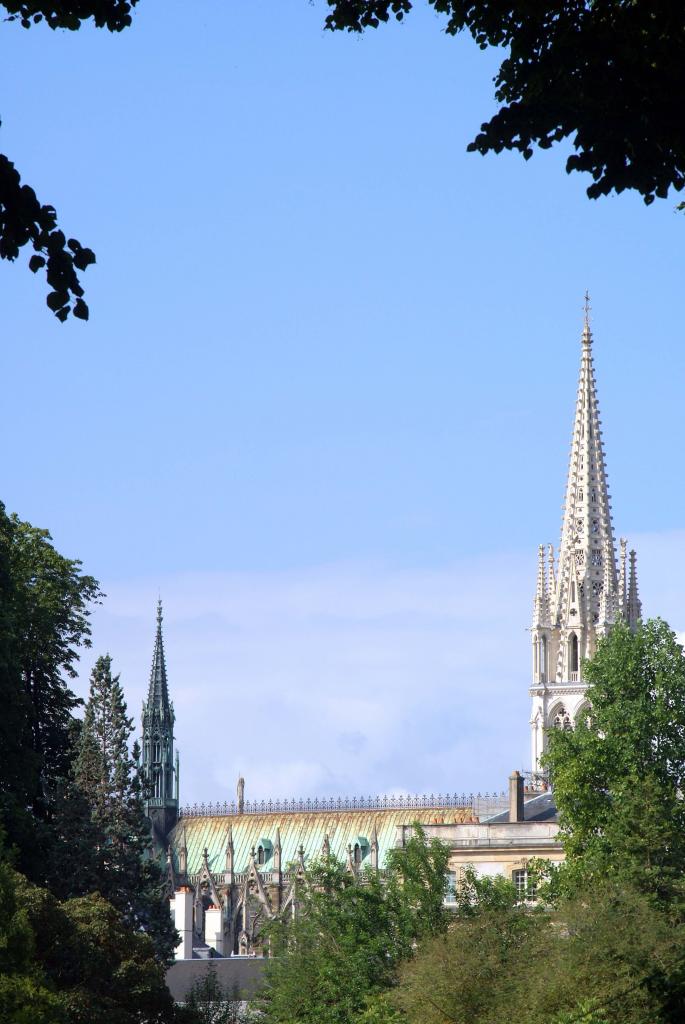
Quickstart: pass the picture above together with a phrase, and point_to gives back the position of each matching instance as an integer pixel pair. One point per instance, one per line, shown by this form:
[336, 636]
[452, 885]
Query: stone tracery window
[562, 720]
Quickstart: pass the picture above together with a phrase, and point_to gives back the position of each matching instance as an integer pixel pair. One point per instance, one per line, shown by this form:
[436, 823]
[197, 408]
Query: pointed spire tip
[587, 333]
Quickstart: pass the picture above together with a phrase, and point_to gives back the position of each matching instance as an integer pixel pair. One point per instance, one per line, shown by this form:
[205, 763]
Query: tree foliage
[107, 781]
[24, 220]
[74, 961]
[208, 1003]
[608, 74]
[619, 777]
[45, 605]
[608, 956]
[343, 947]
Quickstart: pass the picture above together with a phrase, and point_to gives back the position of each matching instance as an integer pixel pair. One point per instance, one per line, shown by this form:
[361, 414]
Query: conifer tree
[107, 776]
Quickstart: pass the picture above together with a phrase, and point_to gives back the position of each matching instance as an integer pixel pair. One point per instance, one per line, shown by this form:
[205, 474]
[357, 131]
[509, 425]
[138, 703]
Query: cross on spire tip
[587, 333]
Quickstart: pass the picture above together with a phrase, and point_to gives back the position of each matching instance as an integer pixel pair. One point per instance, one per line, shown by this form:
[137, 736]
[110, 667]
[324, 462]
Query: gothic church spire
[578, 599]
[158, 691]
[159, 768]
[586, 555]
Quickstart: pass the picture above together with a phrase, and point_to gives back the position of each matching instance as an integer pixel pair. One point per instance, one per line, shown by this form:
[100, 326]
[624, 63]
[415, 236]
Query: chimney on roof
[515, 797]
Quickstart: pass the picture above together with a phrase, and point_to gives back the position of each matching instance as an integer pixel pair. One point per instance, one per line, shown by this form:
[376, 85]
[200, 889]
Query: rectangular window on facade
[451, 891]
[524, 883]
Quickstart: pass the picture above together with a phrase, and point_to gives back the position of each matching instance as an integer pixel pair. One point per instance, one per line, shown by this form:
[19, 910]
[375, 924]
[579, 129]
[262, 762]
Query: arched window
[260, 855]
[562, 719]
[156, 750]
[357, 853]
[573, 655]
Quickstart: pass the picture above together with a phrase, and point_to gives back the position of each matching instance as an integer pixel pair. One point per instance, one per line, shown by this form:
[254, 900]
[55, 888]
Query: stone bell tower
[581, 594]
[159, 766]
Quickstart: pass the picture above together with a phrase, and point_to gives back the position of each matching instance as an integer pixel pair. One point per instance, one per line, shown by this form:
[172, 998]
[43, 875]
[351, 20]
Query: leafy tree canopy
[343, 948]
[208, 1002]
[45, 603]
[609, 956]
[75, 961]
[24, 220]
[608, 74]
[619, 777]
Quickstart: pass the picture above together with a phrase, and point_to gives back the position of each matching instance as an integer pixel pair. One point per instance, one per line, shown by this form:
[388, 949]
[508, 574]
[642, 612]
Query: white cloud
[350, 678]
[339, 679]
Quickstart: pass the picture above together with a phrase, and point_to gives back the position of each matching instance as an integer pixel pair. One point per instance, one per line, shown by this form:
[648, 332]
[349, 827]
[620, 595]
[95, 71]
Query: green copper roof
[302, 828]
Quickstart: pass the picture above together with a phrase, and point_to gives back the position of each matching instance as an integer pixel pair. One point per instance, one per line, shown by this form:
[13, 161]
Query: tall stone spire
[160, 771]
[586, 553]
[582, 595]
[158, 691]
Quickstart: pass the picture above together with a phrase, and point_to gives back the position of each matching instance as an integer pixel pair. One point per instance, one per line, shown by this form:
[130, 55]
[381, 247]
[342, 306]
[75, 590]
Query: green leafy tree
[611, 955]
[608, 74]
[19, 766]
[619, 776]
[106, 775]
[208, 1003]
[349, 935]
[25, 994]
[24, 220]
[50, 608]
[472, 972]
[45, 603]
[74, 962]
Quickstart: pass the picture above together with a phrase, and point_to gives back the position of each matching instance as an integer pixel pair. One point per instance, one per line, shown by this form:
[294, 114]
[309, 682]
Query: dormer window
[264, 851]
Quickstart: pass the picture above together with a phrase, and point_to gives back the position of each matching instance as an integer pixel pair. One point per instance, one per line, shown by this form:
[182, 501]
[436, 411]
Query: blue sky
[324, 399]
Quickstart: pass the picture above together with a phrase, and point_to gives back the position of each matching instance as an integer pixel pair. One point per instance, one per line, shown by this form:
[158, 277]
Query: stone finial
[183, 854]
[374, 847]
[551, 574]
[326, 848]
[277, 851]
[541, 603]
[350, 859]
[240, 789]
[622, 588]
[587, 333]
[633, 604]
